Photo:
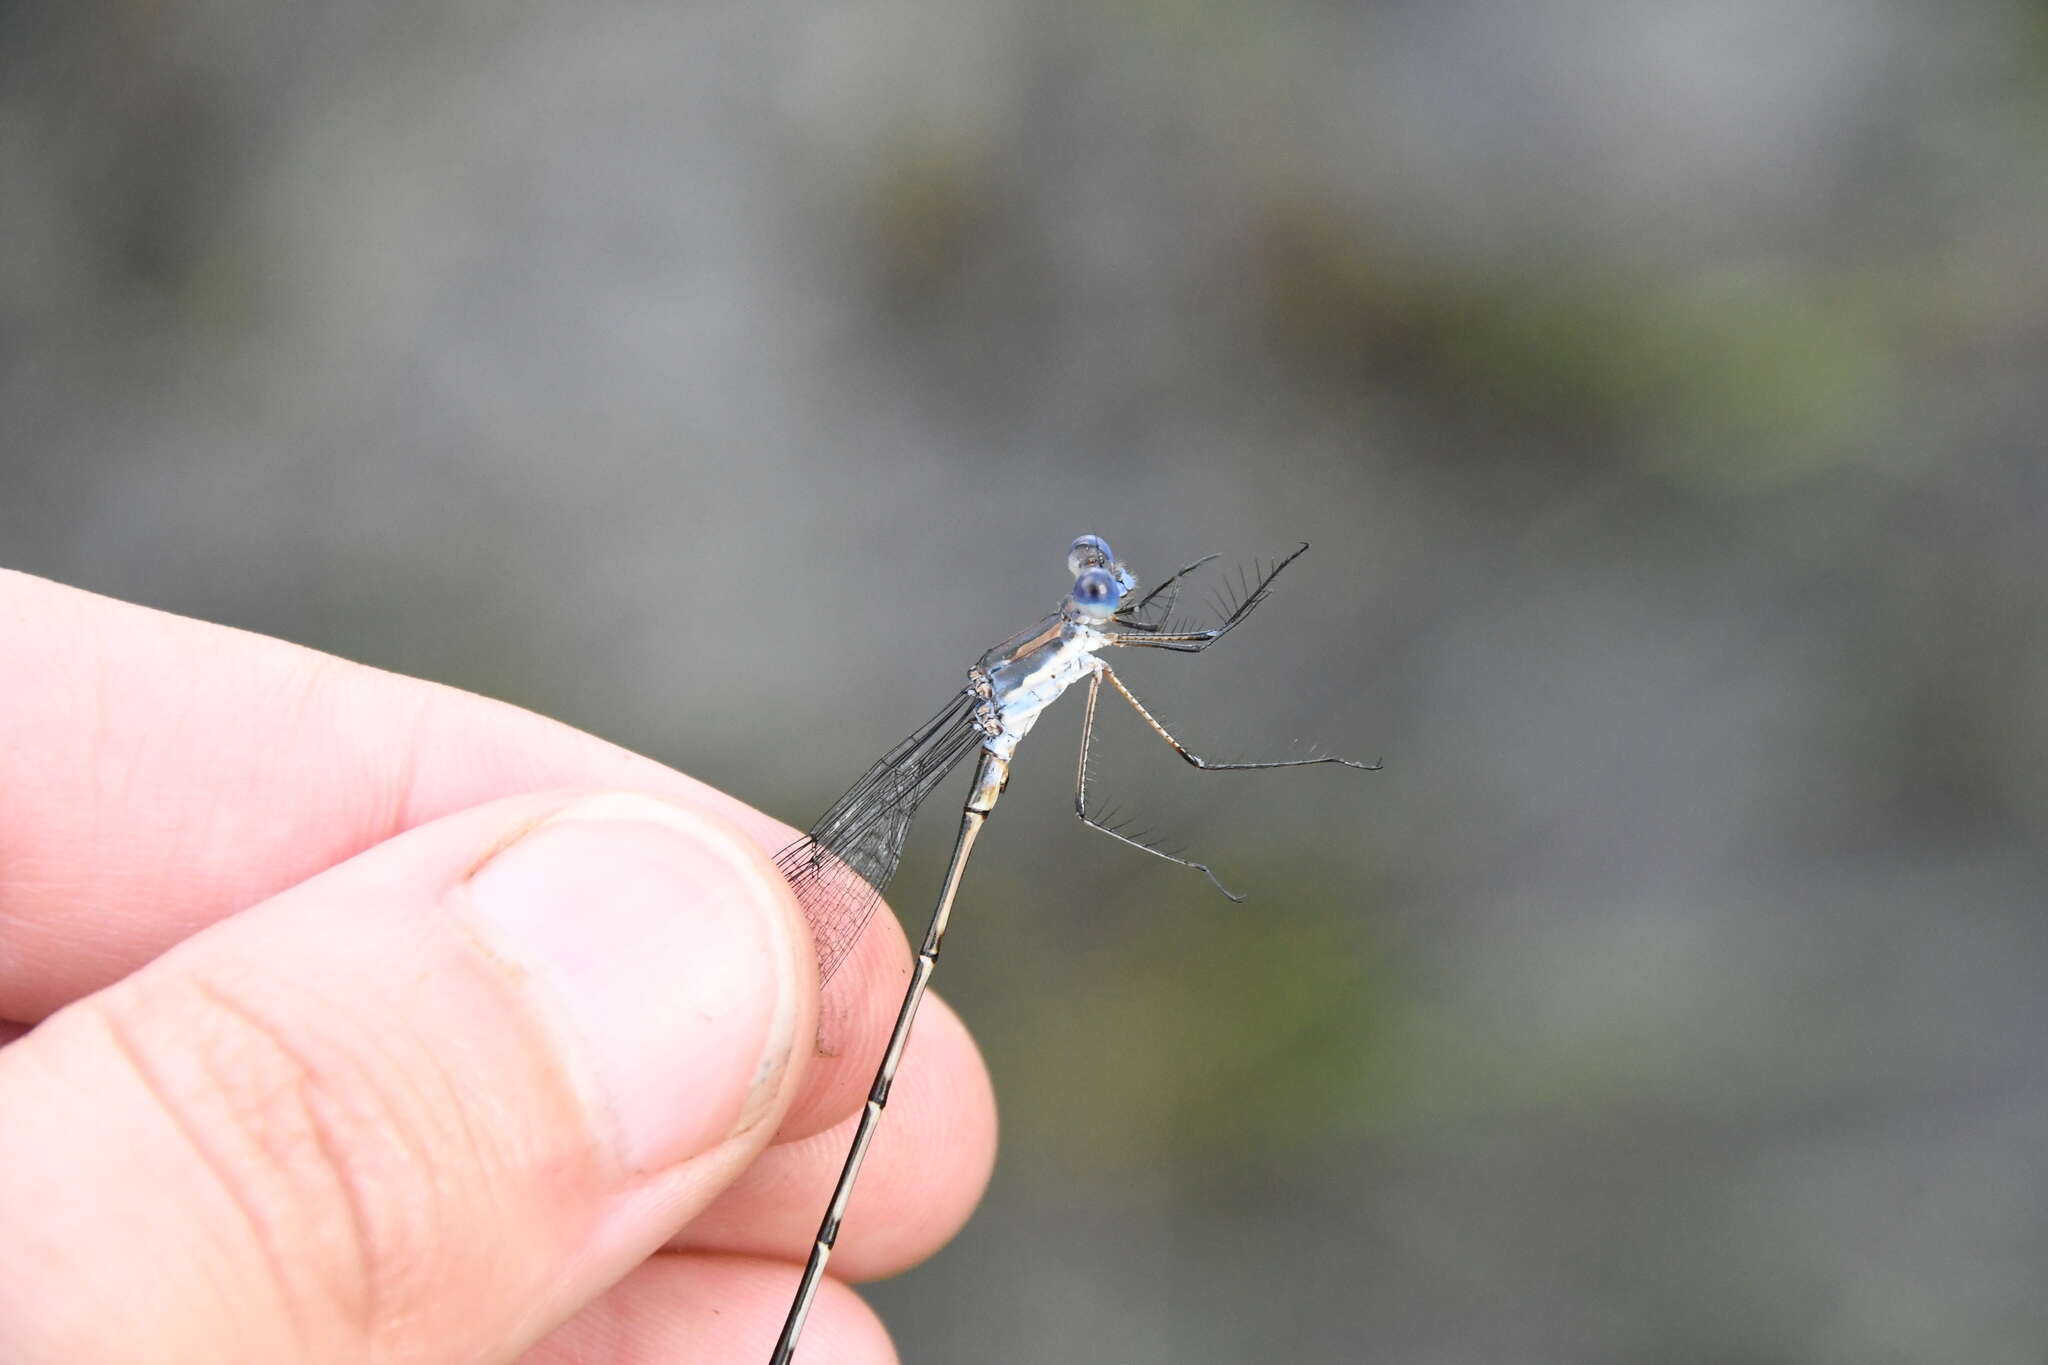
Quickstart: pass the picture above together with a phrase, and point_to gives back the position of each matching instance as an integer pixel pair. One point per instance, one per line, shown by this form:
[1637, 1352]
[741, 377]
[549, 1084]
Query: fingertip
[931, 1161]
[704, 1307]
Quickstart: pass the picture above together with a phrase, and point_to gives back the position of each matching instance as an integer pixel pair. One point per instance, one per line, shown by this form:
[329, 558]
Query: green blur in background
[1659, 385]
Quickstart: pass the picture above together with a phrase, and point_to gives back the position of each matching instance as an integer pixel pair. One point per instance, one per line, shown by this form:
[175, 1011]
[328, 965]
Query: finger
[422, 1107]
[712, 1309]
[161, 773]
[164, 772]
[930, 1161]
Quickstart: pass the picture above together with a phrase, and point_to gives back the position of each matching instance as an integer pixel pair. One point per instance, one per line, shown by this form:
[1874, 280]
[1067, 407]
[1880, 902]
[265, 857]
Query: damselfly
[841, 867]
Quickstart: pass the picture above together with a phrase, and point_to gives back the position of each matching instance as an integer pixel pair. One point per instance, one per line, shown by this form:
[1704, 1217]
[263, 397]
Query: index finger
[158, 773]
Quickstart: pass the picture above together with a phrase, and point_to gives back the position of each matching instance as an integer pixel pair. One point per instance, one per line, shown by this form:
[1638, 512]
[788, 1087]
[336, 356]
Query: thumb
[419, 1108]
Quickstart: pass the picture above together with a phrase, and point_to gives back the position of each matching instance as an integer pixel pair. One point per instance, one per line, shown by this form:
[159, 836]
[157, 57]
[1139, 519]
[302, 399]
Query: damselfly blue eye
[1097, 592]
[1088, 552]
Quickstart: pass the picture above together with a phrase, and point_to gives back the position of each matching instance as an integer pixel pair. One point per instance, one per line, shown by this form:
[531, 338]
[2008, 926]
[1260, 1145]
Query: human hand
[360, 1019]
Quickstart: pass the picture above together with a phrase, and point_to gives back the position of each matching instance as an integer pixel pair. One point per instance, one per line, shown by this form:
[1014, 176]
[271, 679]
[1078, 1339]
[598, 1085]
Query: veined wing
[840, 868]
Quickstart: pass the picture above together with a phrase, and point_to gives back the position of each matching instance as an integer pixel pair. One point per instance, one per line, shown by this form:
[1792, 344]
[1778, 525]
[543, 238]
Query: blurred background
[1660, 386]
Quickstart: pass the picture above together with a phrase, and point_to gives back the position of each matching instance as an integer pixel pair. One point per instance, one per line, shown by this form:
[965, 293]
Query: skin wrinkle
[133, 1055]
[384, 1306]
[479, 1145]
[15, 745]
[115, 780]
[314, 670]
[308, 679]
[333, 1158]
[464, 1144]
[605, 1333]
[473, 1147]
[96, 692]
[332, 679]
[400, 812]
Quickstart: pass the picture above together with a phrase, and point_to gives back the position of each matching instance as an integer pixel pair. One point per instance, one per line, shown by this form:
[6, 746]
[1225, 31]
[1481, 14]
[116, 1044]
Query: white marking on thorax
[1021, 698]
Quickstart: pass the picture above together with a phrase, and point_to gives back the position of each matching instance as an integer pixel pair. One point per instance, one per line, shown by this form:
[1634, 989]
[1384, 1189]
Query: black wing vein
[840, 868]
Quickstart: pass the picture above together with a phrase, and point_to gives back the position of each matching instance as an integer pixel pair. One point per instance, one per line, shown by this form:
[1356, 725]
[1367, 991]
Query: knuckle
[295, 1140]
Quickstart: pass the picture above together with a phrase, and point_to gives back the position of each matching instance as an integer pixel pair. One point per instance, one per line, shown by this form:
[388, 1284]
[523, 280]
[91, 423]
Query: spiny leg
[1170, 588]
[1195, 641]
[1081, 793]
[1206, 765]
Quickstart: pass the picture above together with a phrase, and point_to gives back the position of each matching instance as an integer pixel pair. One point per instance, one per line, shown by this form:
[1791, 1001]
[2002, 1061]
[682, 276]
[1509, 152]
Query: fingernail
[656, 942]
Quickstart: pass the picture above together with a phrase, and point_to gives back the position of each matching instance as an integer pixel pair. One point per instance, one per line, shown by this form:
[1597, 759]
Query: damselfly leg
[1207, 765]
[1252, 589]
[1210, 765]
[1159, 602]
[1120, 832]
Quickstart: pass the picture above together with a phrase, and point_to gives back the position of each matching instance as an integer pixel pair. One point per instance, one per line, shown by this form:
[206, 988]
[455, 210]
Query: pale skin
[332, 1005]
